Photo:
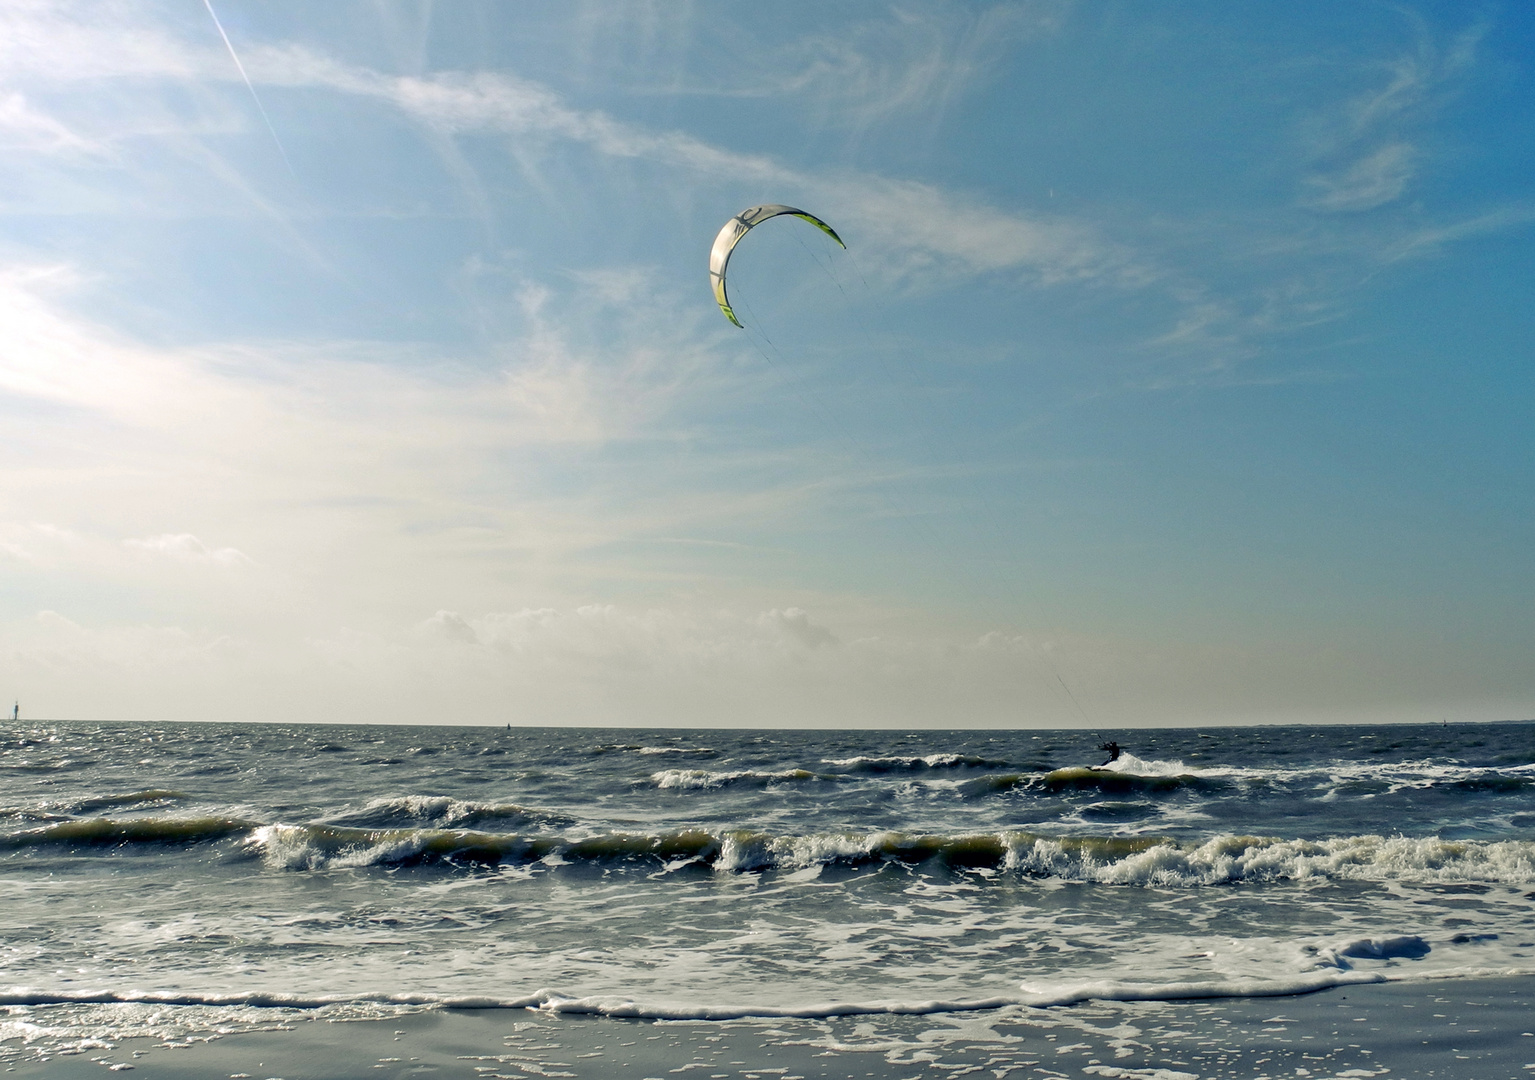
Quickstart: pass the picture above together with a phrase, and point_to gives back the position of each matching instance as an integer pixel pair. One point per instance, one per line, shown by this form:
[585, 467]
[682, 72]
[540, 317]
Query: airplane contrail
[249, 86]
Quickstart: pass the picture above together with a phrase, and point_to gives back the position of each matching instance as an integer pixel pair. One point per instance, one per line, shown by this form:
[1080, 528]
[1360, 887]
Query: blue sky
[1178, 369]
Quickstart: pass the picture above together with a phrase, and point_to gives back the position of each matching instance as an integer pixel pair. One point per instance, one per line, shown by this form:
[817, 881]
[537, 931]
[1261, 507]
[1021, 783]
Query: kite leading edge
[739, 226]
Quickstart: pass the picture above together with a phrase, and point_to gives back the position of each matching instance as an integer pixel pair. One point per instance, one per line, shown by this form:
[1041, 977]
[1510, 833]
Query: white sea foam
[1399, 946]
[1219, 861]
[620, 1005]
[755, 851]
[1228, 859]
[1068, 993]
[704, 780]
[1129, 763]
[294, 847]
[863, 763]
[1389, 776]
[1125, 860]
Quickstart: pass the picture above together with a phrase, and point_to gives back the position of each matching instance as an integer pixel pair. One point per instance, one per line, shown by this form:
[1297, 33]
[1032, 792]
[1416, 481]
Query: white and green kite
[738, 227]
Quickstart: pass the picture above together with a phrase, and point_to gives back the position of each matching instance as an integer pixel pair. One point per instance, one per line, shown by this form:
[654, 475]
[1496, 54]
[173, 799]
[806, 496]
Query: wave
[1491, 781]
[1129, 763]
[445, 811]
[992, 783]
[704, 780]
[1228, 860]
[651, 751]
[104, 831]
[1129, 772]
[1110, 990]
[1115, 781]
[877, 765]
[618, 1006]
[1106, 860]
[312, 847]
[1402, 946]
[1128, 775]
[148, 797]
[29, 813]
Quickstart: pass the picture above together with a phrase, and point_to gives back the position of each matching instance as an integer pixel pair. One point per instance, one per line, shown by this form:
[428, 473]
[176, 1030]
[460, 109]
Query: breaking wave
[704, 780]
[1145, 861]
[877, 765]
[443, 811]
[107, 831]
[615, 1005]
[1107, 860]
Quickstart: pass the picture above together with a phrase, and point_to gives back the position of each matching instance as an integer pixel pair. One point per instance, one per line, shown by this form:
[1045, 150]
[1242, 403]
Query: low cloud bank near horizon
[600, 665]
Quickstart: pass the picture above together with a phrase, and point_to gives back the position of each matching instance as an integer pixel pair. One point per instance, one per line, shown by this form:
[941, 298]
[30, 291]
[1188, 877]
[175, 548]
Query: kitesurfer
[1112, 749]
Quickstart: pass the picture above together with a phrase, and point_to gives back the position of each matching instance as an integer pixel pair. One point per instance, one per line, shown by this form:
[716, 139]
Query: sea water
[217, 873]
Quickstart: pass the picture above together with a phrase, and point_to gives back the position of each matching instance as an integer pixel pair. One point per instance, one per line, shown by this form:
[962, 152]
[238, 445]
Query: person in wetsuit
[1112, 749]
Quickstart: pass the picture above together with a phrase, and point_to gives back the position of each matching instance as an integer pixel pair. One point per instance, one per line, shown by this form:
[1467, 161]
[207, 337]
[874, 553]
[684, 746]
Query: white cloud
[1369, 149]
[908, 63]
[24, 128]
[38, 542]
[47, 357]
[655, 639]
[1376, 179]
[795, 623]
[59, 41]
[602, 663]
[689, 666]
[905, 231]
[184, 547]
[363, 484]
[925, 227]
[449, 626]
[1429, 239]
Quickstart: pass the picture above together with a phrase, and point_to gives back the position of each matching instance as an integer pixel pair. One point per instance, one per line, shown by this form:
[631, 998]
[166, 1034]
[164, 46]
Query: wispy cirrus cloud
[29, 130]
[910, 63]
[927, 230]
[1367, 151]
[1432, 238]
[925, 227]
[59, 42]
[1379, 177]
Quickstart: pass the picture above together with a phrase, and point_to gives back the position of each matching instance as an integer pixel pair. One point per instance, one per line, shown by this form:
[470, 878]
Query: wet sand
[1481, 1029]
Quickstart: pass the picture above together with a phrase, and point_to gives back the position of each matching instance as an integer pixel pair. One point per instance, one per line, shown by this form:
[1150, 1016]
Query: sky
[358, 363]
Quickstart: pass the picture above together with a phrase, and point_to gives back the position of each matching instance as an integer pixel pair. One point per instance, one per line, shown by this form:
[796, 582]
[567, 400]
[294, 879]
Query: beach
[1477, 1029]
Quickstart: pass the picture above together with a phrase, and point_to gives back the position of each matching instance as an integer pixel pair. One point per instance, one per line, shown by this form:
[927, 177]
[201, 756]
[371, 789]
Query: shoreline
[1473, 1028]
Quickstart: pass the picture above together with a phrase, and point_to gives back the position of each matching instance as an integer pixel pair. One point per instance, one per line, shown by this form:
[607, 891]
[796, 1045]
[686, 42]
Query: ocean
[189, 879]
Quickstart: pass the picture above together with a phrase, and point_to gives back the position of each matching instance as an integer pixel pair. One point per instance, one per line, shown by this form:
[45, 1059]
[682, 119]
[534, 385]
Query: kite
[738, 227]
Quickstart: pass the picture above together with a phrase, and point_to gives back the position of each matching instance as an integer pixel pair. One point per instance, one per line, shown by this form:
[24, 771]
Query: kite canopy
[738, 227]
